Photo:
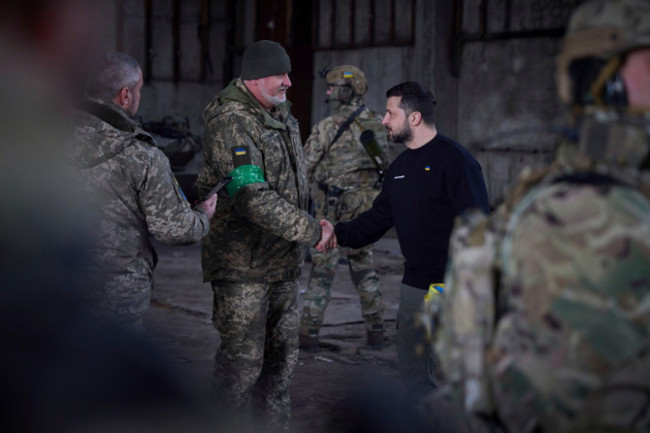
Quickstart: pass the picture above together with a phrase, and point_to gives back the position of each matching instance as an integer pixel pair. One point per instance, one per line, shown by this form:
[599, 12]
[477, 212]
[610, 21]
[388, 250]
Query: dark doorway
[289, 22]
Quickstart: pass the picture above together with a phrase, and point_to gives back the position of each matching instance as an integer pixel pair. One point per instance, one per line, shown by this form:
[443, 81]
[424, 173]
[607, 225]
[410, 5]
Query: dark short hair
[415, 97]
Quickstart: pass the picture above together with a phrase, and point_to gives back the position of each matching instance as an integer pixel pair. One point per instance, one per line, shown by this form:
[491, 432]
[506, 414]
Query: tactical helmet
[603, 30]
[347, 75]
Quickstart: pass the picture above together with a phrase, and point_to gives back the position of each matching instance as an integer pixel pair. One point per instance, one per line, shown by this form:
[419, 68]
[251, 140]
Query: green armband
[242, 176]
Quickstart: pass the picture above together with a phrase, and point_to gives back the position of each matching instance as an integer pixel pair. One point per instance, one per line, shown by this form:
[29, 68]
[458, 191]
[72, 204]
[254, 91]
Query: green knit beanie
[264, 59]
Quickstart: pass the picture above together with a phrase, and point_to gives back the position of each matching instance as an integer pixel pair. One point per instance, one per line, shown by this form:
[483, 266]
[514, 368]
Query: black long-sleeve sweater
[423, 191]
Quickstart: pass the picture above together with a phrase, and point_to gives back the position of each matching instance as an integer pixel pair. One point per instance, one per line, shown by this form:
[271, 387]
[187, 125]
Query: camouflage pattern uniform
[544, 305]
[253, 252]
[544, 322]
[136, 196]
[345, 183]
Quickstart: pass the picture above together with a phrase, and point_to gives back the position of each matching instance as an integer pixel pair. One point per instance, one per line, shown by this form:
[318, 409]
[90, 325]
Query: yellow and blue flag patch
[240, 156]
[179, 188]
[348, 75]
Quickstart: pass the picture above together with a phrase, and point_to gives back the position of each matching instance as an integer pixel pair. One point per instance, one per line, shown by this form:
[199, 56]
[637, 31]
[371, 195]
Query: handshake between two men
[327, 237]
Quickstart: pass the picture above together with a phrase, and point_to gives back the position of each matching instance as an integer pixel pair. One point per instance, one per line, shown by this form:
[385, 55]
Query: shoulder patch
[240, 156]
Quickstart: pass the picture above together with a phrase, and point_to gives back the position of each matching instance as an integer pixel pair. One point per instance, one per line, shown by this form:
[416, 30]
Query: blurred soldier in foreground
[258, 240]
[133, 189]
[545, 319]
[347, 173]
[61, 369]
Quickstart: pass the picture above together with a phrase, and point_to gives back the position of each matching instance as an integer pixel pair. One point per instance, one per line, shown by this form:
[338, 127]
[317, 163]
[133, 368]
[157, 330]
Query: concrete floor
[326, 382]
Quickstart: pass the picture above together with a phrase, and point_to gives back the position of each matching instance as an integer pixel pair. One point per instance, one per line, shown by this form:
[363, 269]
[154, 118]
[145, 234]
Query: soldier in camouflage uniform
[257, 241]
[131, 184]
[545, 317]
[346, 179]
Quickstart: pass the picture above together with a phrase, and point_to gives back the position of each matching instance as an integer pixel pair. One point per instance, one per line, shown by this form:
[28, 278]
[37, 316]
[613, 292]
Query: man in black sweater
[426, 187]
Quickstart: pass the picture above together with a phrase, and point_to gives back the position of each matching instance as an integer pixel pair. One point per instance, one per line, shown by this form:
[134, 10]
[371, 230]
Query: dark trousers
[417, 360]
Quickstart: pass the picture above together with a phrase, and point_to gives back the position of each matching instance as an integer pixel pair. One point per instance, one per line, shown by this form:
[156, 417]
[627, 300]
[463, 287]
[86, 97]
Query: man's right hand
[208, 205]
[327, 237]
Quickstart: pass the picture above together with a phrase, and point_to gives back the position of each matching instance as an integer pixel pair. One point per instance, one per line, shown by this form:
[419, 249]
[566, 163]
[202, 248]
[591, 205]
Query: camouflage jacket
[136, 195]
[544, 321]
[256, 235]
[342, 162]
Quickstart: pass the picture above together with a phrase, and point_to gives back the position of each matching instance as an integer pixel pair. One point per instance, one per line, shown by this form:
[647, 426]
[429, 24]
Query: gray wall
[502, 82]
[507, 84]
[491, 68]
[161, 95]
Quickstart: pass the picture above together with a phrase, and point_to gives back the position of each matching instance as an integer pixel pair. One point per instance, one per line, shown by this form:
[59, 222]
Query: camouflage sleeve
[257, 202]
[168, 214]
[264, 208]
[467, 312]
[315, 149]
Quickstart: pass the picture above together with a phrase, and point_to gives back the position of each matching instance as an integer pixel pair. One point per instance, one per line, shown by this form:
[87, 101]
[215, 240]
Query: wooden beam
[204, 36]
[148, 40]
[176, 41]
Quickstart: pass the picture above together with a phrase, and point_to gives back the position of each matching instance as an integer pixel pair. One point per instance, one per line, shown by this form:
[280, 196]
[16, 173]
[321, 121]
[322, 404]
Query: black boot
[376, 339]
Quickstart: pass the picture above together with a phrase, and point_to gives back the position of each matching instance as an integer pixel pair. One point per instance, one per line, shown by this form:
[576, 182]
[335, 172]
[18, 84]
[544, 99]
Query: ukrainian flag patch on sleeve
[240, 156]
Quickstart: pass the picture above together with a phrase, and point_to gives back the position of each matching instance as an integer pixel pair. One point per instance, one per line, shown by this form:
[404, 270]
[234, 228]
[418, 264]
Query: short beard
[130, 111]
[273, 100]
[406, 134]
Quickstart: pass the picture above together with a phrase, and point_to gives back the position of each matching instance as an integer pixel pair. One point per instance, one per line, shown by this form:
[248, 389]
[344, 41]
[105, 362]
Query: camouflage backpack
[545, 319]
[545, 323]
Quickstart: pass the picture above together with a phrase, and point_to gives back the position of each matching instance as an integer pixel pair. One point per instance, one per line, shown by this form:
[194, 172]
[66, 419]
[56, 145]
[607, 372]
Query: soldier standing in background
[347, 175]
[545, 319]
[257, 241]
[132, 187]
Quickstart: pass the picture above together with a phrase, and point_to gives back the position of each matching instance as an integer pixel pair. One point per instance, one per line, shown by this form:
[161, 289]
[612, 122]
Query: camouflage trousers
[258, 327]
[123, 297]
[363, 277]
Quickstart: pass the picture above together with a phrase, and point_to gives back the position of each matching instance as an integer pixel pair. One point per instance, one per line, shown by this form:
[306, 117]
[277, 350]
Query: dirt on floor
[331, 387]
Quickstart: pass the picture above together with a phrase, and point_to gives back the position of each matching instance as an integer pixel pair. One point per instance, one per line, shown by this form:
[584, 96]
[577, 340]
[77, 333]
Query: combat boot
[375, 339]
[309, 342]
